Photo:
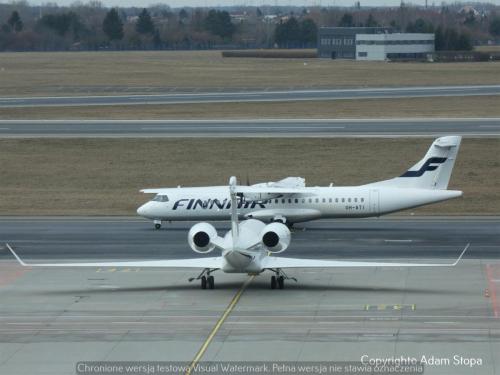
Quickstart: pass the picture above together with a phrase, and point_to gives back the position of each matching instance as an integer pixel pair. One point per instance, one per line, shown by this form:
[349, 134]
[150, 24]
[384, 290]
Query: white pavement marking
[257, 92]
[261, 120]
[207, 127]
[195, 317]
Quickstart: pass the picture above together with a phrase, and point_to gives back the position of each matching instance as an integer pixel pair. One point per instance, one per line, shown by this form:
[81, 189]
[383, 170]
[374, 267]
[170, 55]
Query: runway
[252, 96]
[250, 128]
[52, 319]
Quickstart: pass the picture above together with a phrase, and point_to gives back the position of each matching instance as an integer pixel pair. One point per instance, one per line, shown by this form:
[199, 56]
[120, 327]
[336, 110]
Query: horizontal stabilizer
[155, 191]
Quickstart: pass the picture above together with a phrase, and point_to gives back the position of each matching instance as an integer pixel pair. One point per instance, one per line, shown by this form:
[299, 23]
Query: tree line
[116, 30]
[93, 27]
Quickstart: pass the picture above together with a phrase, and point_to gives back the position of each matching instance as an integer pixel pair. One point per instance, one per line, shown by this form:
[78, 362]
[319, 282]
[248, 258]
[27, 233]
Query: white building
[394, 46]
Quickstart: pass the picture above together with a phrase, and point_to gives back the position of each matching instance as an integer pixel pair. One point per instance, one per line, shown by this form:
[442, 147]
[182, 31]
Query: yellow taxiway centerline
[217, 326]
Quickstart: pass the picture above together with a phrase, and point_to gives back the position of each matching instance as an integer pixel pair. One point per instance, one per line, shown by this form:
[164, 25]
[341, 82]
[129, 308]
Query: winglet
[461, 255]
[17, 257]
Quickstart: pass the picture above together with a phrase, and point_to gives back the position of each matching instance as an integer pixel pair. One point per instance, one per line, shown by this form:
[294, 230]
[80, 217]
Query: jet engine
[200, 238]
[275, 237]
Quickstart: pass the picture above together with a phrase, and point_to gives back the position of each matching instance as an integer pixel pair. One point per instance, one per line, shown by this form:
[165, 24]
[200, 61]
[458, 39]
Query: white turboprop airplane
[246, 248]
[289, 201]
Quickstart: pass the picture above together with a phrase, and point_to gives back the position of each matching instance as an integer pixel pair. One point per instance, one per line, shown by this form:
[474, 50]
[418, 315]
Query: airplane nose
[141, 211]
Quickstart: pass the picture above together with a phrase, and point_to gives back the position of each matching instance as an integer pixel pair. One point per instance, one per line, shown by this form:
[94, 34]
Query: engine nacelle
[200, 238]
[275, 237]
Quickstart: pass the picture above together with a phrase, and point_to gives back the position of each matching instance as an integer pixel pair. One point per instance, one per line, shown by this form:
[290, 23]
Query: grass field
[82, 73]
[475, 106]
[103, 176]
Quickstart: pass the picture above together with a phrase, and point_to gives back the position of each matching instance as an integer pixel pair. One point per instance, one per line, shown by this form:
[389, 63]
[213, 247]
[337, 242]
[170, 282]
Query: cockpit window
[160, 198]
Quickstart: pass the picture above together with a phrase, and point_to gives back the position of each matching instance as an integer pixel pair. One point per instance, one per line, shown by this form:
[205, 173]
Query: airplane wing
[289, 182]
[271, 190]
[277, 262]
[213, 262]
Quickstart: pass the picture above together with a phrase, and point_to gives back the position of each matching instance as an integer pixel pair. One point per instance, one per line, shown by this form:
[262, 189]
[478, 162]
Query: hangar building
[340, 42]
[372, 43]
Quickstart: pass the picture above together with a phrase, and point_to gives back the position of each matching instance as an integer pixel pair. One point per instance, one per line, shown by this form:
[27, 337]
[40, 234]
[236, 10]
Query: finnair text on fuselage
[193, 204]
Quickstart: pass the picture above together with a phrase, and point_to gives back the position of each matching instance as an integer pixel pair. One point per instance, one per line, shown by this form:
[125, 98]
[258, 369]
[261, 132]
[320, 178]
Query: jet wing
[277, 262]
[213, 262]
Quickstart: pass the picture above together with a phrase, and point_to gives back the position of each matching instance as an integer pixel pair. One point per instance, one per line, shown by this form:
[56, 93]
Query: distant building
[271, 18]
[372, 43]
[397, 46]
[466, 10]
[340, 42]
[239, 18]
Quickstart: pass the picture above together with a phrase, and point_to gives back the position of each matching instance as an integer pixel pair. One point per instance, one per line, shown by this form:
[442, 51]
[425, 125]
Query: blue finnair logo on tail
[429, 165]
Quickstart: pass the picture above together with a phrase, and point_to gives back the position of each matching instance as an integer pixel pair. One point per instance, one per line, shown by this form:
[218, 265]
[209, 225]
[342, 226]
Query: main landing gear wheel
[211, 282]
[157, 226]
[273, 282]
[207, 280]
[281, 282]
[279, 277]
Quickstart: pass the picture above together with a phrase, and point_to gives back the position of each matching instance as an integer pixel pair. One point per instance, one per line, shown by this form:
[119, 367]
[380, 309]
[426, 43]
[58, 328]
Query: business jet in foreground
[289, 201]
[249, 247]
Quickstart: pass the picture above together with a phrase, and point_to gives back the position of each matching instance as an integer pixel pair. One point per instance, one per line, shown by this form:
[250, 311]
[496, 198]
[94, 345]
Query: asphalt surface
[114, 238]
[249, 128]
[252, 96]
[52, 319]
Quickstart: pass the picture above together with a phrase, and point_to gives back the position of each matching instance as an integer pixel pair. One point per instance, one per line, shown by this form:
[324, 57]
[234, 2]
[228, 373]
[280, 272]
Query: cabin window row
[317, 200]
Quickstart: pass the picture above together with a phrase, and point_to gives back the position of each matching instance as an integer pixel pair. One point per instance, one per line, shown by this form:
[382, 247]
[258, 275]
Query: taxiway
[52, 319]
[252, 96]
[403, 127]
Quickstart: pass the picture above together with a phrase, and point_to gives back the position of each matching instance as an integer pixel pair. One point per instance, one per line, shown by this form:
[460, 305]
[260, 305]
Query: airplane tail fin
[433, 171]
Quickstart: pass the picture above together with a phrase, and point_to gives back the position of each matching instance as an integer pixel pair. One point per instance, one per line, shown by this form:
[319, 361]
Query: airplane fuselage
[213, 203]
[290, 201]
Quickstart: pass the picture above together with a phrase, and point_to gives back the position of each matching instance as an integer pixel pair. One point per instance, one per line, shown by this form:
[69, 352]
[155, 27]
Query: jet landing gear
[207, 280]
[157, 224]
[278, 280]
